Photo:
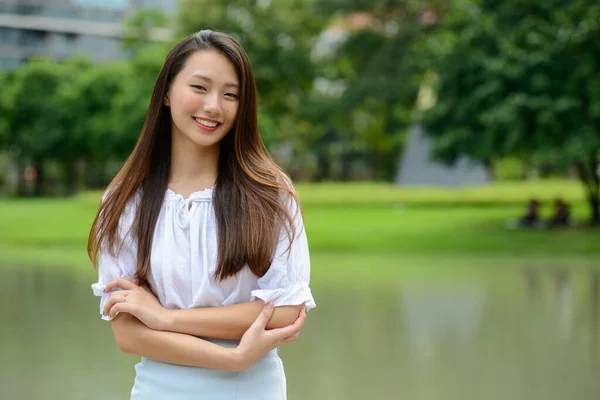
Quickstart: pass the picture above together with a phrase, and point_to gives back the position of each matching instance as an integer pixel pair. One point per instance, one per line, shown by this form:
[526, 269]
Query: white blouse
[184, 259]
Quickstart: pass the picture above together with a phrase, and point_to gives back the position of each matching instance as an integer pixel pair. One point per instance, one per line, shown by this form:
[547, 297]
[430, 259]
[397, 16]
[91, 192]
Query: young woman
[199, 241]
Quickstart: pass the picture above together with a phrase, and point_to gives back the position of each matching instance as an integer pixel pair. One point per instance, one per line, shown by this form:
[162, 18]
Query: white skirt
[265, 380]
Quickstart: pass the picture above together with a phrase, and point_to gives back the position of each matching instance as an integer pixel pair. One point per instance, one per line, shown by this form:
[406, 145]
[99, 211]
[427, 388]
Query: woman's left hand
[257, 340]
[137, 301]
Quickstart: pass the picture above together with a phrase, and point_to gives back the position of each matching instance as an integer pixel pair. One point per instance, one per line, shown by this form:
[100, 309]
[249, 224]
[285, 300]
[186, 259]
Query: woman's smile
[208, 125]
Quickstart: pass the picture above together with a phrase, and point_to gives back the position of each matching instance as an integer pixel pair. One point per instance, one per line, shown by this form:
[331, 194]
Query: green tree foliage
[140, 30]
[519, 78]
[65, 113]
[130, 103]
[33, 117]
[377, 77]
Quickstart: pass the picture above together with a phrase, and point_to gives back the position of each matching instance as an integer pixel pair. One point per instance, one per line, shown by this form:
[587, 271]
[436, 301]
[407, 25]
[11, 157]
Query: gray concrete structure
[417, 168]
[61, 28]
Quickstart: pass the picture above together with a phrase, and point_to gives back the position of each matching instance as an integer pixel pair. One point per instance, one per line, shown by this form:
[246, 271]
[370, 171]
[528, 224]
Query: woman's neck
[193, 168]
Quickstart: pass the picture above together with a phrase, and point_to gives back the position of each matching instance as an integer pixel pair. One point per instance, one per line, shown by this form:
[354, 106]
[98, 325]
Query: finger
[109, 303]
[107, 307]
[120, 283]
[116, 297]
[264, 316]
[120, 307]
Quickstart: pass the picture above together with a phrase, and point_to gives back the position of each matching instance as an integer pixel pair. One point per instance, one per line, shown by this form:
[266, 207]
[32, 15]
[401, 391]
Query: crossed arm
[145, 328]
[228, 322]
[133, 337]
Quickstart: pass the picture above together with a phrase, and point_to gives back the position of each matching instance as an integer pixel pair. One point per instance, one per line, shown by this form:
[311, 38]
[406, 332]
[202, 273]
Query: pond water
[522, 332]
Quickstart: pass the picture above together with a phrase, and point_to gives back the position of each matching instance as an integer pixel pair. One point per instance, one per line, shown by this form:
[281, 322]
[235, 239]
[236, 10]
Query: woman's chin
[205, 142]
[201, 140]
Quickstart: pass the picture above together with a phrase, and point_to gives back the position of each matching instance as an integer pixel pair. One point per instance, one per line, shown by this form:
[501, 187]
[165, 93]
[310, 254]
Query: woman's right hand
[257, 341]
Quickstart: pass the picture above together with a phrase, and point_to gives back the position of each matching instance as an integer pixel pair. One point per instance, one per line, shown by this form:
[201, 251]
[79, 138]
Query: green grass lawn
[346, 194]
[343, 218]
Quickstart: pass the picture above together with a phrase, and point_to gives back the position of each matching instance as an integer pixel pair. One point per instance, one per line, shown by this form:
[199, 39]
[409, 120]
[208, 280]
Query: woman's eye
[232, 95]
[199, 87]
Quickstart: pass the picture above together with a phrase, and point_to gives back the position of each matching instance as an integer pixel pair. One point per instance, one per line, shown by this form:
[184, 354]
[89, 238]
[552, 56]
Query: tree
[91, 119]
[519, 78]
[144, 28]
[375, 69]
[68, 112]
[33, 116]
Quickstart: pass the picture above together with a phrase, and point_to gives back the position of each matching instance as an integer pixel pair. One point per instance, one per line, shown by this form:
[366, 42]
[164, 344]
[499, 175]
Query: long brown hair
[251, 196]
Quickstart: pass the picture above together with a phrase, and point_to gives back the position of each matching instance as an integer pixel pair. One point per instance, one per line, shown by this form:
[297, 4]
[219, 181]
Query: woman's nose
[212, 103]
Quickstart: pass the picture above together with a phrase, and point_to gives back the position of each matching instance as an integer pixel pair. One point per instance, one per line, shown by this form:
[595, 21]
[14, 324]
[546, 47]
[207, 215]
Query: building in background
[61, 28]
[418, 168]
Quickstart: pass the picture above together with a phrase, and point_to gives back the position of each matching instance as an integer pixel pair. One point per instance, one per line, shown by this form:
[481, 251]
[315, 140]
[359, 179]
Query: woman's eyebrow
[206, 78]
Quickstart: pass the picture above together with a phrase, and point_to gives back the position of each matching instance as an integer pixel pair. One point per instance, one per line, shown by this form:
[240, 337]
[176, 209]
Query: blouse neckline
[205, 194]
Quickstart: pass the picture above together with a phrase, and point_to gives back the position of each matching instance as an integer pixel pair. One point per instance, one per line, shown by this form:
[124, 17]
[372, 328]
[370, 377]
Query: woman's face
[204, 99]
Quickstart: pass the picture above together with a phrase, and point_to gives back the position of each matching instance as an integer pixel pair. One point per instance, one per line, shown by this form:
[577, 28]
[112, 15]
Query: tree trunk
[588, 174]
[595, 188]
[323, 166]
[95, 174]
[21, 184]
[38, 190]
[104, 175]
[595, 207]
[346, 160]
[70, 177]
[323, 155]
[374, 164]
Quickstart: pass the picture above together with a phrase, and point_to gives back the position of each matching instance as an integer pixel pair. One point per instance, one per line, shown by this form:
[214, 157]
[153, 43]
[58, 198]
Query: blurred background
[446, 154]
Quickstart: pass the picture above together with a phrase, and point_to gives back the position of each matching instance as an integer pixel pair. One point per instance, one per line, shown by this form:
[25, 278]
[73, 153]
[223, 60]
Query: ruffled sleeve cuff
[98, 290]
[290, 296]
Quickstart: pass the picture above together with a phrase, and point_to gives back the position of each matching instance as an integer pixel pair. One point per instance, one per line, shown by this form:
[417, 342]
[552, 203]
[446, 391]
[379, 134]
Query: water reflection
[563, 287]
[594, 297]
[435, 311]
[562, 304]
[499, 333]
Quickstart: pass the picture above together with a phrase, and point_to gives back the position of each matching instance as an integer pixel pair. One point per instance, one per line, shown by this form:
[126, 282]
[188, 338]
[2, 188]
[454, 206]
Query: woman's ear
[166, 101]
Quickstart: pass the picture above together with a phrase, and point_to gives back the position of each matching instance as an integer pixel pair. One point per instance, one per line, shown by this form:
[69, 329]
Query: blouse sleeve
[287, 281]
[111, 267]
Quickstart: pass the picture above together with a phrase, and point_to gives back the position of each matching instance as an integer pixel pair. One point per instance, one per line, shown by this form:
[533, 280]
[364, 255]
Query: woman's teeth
[210, 124]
